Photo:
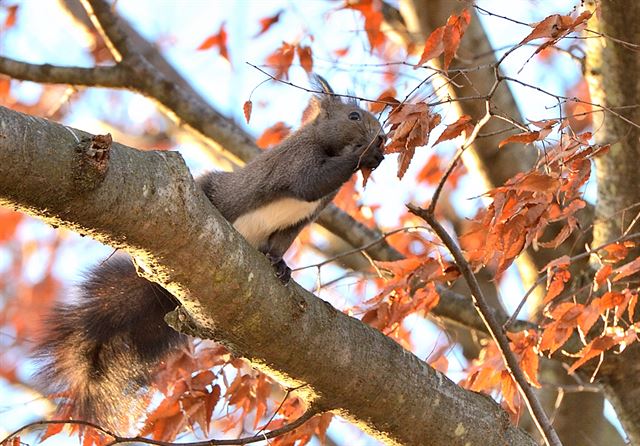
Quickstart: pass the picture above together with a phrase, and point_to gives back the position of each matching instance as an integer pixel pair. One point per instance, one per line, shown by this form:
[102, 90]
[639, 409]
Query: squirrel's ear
[313, 110]
[321, 83]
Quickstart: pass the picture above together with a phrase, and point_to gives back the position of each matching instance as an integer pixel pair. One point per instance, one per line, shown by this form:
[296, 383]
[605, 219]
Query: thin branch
[495, 330]
[117, 439]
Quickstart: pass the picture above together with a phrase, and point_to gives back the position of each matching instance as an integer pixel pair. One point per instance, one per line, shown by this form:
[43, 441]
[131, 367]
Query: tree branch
[285, 332]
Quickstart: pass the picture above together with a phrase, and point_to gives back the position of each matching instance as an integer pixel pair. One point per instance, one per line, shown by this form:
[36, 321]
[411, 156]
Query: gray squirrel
[100, 351]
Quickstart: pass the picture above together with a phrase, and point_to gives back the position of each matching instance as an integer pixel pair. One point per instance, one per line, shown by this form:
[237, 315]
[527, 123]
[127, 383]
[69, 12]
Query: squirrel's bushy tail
[99, 352]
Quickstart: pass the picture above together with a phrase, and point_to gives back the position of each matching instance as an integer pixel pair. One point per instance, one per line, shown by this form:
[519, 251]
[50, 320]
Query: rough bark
[147, 204]
[612, 69]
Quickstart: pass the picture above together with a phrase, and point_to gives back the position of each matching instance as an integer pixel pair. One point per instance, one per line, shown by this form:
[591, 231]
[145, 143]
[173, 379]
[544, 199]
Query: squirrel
[100, 351]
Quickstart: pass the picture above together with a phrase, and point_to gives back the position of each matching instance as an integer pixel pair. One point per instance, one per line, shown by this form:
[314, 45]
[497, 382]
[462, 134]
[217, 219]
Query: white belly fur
[256, 226]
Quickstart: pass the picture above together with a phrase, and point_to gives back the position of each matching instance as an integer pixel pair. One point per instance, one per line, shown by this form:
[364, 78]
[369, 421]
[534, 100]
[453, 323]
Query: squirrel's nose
[381, 139]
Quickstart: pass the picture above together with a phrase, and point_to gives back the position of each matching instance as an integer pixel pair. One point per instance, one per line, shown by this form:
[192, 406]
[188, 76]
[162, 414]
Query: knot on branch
[92, 161]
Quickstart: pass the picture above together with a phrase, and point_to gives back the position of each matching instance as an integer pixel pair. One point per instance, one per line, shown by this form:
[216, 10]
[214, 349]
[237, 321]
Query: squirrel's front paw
[280, 267]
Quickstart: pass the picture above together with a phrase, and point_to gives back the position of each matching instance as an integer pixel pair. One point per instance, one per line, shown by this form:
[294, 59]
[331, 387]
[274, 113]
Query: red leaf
[526, 137]
[456, 26]
[273, 135]
[614, 336]
[371, 11]
[555, 285]
[12, 12]
[246, 108]
[627, 270]
[386, 96]
[366, 173]
[602, 275]
[9, 221]
[281, 59]
[217, 40]
[463, 124]
[306, 59]
[446, 39]
[268, 22]
[433, 46]
[411, 125]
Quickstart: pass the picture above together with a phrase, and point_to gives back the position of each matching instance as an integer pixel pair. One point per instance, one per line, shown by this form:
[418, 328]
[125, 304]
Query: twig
[467, 143]
[495, 330]
[117, 439]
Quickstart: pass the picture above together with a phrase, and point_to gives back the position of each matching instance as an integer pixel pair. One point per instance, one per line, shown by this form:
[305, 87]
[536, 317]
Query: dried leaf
[627, 269]
[371, 11]
[12, 13]
[602, 275]
[217, 40]
[526, 137]
[268, 22]
[386, 96]
[433, 46]
[246, 108]
[281, 60]
[306, 58]
[273, 135]
[463, 124]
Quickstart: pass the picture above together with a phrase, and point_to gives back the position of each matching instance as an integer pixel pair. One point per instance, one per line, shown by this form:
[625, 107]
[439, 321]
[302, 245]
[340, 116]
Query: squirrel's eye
[355, 116]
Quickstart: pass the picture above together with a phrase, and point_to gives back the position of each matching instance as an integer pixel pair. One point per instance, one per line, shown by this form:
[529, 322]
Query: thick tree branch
[612, 76]
[147, 204]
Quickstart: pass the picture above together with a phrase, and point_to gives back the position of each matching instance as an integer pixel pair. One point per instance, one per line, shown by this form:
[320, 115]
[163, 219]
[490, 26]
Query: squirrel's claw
[280, 267]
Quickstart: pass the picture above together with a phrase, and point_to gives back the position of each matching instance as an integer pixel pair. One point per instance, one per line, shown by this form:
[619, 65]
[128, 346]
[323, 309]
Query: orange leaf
[526, 137]
[217, 40]
[306, 59]
[386, 96]
[627, 270]
[556, 285]
[366, 173]
[273, 135]
[456, 26]
[602, 275]
[10, 21]
[281, 59]
[433, 46]
[246, 108]
[9, 221]
[601, 344]
[463, 124]
[268, 22]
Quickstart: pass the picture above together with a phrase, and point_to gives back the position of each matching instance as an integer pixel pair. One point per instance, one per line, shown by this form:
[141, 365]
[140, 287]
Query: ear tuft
[321, 83]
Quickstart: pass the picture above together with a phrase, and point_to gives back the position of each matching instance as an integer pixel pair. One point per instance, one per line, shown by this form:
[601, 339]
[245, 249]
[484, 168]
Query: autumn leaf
[246, 108]
[555, 27]
[411, 125]
[602, 275]
[453, 32]
[366, 173]
[526, 138]
[217, 40]
[555, 284]
[281, 60]
[371, 11]
[268, 22]
[445, 39]
[565, 319]
[433, 46]
[273, 135]
[627, 270]
[387, 96]
[10, 20]
[9, 221]
[463, 124]
[613, 336]
[306, 58]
